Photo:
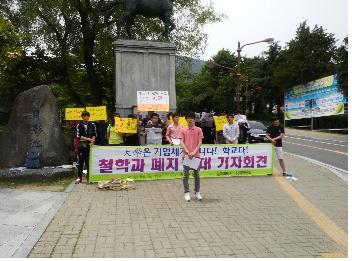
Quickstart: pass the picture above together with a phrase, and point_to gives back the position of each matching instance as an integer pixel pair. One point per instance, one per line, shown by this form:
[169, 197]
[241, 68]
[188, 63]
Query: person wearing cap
[86, 134]
[274, 134]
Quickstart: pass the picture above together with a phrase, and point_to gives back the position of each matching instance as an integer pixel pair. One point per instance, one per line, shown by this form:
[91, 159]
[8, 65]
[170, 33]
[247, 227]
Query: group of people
[152, 130]
[190, 138]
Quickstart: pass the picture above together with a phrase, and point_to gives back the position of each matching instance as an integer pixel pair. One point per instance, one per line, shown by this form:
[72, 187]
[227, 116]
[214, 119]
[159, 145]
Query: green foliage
[10, 47]
[310, 55]
[342, 65]
[77, 36]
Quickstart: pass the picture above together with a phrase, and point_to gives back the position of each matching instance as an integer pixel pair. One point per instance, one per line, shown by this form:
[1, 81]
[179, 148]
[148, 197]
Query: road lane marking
[335, 151]
[322, 142]
[322, 220]
[344, 141]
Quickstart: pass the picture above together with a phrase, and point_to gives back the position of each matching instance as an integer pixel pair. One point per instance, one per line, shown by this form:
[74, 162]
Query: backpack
[32, 160]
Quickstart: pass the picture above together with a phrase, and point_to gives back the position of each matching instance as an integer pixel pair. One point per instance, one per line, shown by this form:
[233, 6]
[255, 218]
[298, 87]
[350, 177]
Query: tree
[10, 45]
[309, 56]
[271, 94]
[81, 35]
[215, 88]
[10, 52]
[342, 65]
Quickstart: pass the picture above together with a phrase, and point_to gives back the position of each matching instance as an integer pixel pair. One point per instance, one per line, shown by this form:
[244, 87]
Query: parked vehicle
[257, 132]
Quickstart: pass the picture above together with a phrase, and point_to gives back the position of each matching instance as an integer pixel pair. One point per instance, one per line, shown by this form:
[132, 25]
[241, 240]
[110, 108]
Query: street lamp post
[238, 73]
[237, 70]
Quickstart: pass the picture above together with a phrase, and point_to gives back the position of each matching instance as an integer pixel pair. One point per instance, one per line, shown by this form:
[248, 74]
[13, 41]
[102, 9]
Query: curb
[342, 174]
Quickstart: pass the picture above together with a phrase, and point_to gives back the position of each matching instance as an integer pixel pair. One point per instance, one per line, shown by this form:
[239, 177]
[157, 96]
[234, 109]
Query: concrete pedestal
[143, 66]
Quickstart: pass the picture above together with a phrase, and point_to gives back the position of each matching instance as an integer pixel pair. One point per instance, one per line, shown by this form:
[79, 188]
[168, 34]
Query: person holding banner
[86, 134]
[191, 140]
[174, 130]
[274, 134]
[115, 138]
[132, 139]
[219, 133]
[154, 131]
[231, 130]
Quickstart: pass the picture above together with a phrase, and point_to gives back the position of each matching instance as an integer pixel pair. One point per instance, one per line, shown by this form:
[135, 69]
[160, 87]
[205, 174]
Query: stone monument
[33, 124]
[143, 66]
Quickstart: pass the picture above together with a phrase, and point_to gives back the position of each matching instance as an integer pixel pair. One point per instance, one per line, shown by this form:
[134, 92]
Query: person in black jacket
[244, 128]
[102, 130]
[86, 134]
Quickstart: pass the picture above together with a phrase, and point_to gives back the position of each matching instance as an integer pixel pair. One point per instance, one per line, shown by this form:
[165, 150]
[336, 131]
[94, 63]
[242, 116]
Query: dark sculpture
[161, 9]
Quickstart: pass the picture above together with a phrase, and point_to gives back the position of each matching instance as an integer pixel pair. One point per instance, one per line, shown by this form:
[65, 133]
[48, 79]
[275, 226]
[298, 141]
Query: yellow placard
[182, 121]
[220, 121]
[125, 125]
[153, 107]
[73, 114]
[97, 113]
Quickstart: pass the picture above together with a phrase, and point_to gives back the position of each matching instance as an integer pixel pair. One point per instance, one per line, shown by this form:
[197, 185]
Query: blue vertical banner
[322, 97]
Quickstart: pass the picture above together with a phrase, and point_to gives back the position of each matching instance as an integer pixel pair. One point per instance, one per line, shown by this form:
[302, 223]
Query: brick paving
[239, 217]
[322, 188]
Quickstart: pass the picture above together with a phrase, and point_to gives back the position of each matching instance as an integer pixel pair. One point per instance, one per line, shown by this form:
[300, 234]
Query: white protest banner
[165, 162]
[153, 101]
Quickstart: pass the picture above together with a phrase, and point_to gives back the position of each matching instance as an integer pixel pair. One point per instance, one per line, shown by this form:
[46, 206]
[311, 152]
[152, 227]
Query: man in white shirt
[231, 130]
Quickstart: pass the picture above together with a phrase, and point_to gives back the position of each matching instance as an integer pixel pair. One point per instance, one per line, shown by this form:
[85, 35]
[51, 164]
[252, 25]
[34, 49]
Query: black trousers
[83, 158]
[208, 137]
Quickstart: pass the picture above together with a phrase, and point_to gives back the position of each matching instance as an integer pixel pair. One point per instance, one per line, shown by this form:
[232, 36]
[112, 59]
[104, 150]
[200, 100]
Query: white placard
[176, 142]
[192, 163]
[154, 136]
[153, 100]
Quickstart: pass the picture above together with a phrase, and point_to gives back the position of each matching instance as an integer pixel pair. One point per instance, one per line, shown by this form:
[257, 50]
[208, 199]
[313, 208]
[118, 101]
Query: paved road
[328, 148]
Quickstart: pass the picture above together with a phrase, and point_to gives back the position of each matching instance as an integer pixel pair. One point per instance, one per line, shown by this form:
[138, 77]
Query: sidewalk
[24, 215]
[239, 217]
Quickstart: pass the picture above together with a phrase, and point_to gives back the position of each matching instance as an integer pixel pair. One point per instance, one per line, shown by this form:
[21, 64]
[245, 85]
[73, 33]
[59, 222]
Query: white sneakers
[197, 195]
[188, 196]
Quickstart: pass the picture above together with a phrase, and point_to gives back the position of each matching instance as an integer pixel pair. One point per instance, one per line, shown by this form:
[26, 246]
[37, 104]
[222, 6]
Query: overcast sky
[254, 20]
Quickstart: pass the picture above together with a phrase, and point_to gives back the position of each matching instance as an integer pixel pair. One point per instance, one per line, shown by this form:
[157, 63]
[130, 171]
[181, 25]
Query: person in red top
[174, 130]
[191, 140]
